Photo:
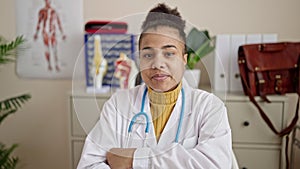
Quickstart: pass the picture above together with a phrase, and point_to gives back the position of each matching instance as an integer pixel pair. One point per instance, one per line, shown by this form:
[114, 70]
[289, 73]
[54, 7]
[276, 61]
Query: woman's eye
[147, 55]
[169, 54]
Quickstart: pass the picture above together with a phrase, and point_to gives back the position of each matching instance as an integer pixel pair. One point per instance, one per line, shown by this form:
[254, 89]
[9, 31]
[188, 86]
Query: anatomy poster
[53, 30]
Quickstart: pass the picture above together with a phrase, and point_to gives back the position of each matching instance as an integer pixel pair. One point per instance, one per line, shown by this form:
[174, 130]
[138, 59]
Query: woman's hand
[120, 158]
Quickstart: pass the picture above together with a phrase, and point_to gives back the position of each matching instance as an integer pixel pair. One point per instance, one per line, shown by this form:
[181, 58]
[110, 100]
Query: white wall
[40, 127]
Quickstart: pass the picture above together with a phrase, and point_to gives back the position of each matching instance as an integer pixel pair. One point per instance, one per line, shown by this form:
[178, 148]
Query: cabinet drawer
[248, 126]
[84, 114]
[259, 158]
[77, 146]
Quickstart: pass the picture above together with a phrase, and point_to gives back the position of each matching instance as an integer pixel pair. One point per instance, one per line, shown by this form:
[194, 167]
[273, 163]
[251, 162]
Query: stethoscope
[142, 113]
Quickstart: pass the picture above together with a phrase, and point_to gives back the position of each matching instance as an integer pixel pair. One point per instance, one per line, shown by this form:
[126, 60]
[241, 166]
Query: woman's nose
[158, 63]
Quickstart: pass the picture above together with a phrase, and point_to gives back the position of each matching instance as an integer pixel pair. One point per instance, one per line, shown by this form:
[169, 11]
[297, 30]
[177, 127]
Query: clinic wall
[41, 127]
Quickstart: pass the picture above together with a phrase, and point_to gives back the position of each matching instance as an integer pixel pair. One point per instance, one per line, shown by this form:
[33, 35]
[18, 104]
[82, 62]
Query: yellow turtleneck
[161, 107]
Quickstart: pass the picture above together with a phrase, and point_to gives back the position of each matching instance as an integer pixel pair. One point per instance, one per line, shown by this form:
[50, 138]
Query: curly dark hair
[162, 15]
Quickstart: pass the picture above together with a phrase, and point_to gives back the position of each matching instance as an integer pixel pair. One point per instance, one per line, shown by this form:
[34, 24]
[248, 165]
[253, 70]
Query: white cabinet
[258, 157]
[84, 113]
[254, 144]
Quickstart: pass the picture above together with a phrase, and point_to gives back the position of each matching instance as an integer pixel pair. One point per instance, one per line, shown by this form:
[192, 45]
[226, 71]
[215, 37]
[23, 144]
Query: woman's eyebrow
[163, 47]
[148, 48]
[169, 46]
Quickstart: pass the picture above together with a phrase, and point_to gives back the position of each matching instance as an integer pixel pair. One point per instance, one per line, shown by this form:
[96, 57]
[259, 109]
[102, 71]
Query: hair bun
[162, 15]
[162, 8]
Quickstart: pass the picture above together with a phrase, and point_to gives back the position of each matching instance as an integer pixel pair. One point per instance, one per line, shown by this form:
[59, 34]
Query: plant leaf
[205, 49]
[7, 50]
[196, 38]
[14, 102]
[6, 161]
[199, 44]
[11, 105]
[5, 114]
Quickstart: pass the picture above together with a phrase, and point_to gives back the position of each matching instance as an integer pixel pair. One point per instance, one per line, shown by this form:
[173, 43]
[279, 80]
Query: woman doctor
[162, 123]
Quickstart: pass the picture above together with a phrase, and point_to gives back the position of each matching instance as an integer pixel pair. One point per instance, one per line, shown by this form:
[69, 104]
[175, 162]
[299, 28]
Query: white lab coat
[204, 142]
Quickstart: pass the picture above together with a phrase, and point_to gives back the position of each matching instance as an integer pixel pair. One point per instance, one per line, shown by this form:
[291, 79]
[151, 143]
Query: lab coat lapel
[170, 130]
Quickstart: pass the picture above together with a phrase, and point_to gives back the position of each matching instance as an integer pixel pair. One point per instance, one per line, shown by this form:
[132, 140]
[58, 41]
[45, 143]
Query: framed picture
[54, 35]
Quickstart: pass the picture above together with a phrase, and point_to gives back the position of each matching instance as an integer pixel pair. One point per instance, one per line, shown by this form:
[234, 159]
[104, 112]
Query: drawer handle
[246, 123]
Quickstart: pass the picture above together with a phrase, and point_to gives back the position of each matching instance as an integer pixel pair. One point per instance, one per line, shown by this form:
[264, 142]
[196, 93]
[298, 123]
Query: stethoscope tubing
[133, 120]
[142, 113]
[181, 116]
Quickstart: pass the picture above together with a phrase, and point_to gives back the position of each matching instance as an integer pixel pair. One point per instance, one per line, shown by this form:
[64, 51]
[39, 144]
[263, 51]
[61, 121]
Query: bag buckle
[278, 84]
[260, 47]
[241, 61]
[277, 76]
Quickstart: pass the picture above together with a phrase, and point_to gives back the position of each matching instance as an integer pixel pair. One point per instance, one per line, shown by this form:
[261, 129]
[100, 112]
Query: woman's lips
[160, 77]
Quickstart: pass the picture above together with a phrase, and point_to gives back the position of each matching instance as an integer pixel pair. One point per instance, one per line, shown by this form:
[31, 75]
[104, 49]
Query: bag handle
[281, 133]
[271, 47]
[286, 130]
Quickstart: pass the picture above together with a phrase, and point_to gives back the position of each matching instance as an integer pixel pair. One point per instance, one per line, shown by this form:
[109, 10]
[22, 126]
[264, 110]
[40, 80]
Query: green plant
[8, 49]
[6, 161]
[11, 105]
[199, 44]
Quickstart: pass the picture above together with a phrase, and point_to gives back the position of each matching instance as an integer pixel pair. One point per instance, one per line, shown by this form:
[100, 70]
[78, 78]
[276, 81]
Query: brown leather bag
[271, 68]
